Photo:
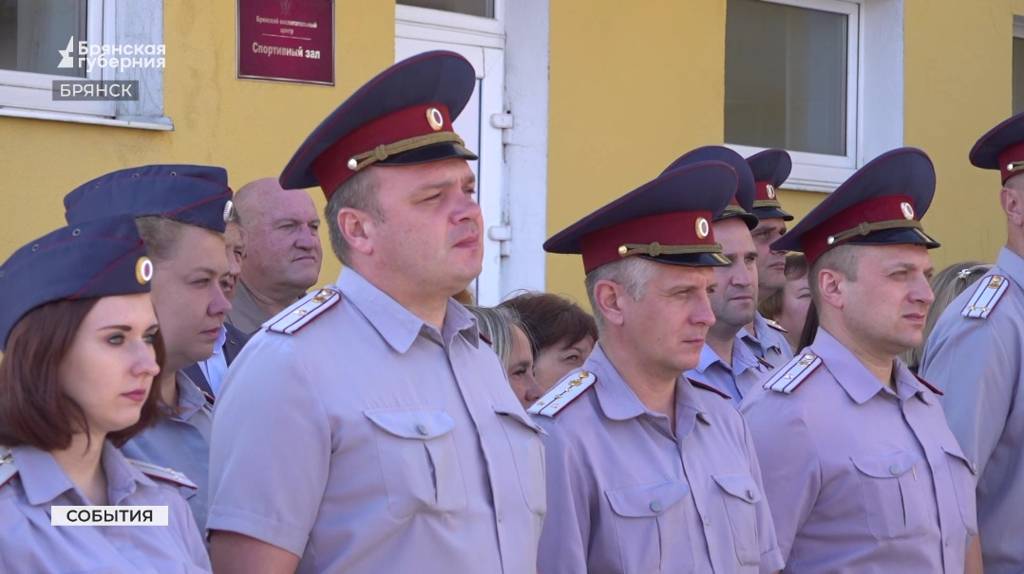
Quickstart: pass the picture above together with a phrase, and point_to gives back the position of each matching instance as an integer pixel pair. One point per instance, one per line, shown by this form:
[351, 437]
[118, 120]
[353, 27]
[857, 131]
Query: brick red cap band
[691, 229]
[332, 169]
[1012, 154]
[875, 210]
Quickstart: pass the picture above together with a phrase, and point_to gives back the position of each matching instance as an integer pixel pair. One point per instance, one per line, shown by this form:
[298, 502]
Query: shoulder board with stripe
[563, 393]
[930, 386]
[708, 387]
[7, 467]
[162, 473]
[774, 325]
[790, 375]
[986, 295]
[302, 312]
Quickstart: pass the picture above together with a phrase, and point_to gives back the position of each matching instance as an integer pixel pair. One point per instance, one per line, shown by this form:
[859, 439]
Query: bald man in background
[282, 251]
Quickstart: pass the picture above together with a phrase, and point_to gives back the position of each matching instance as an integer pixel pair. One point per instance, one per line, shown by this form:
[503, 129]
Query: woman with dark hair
[561, 332]
[80, 351]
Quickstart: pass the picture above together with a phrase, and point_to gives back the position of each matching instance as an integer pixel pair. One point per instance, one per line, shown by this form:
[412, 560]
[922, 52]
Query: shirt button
[422, 429]
[655, 506]
[894, 470]
[750, 495]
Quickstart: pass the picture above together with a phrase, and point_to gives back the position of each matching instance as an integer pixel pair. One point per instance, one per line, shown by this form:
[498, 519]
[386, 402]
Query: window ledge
[161, 123]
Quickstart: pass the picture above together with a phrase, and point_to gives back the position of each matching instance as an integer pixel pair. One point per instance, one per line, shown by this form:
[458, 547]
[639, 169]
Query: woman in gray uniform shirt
[80, 351]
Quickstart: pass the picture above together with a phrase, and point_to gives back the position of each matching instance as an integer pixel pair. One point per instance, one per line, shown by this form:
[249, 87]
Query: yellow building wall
[250, 127]
[630, 90]
[957, 85]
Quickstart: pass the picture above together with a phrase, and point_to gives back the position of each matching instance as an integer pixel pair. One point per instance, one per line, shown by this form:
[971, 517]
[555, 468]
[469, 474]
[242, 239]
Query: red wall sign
[288, 40]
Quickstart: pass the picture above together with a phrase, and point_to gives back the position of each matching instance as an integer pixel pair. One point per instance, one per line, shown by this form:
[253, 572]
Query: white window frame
[874, 110]
[524, 161]
[454, 27]
[29, 95]
[1018, 34]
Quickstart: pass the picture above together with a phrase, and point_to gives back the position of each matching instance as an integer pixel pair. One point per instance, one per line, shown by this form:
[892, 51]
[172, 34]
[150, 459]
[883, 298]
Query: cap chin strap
[383, 152]
[866, 228]
[656, 249]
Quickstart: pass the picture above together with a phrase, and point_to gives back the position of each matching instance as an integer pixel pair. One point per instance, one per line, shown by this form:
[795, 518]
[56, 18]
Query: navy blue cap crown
[402, 116]
[193, 194]
[666, 220]
[92, 259]
[742, 202]
[882, 203]
[770, 168]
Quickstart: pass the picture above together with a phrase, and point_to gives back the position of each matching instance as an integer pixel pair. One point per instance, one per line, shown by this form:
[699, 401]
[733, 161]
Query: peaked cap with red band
[402, 116]
[882, 203]
[771, 168]
[742, 202]
[667, 220]
[1002, 148]
[93, 259]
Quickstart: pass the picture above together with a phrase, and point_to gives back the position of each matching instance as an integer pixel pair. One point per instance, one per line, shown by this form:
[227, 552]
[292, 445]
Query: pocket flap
[955, 452]
[646, 500]
[414, 424]
[741, 486]
[886, 465]
[522, 418]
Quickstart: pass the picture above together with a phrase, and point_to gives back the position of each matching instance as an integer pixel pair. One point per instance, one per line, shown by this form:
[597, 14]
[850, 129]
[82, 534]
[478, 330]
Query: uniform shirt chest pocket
[894, 501]
[740, 495]
[418, 460]
[963, 474]
[651, 529]
[527, 455]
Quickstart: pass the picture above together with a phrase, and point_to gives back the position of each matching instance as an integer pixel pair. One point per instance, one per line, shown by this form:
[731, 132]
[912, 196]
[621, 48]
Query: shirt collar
[855, 378]
[397, 325]
[44, 480]
[618, 401]
[762, 339]
[218, 347]
[41, 477]
[743, 358]
[1012, 264]
[190, 397]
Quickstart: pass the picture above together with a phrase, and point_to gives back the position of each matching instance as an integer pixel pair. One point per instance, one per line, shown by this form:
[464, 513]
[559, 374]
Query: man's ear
[608, 296]
[831, 288]
[1013, 205]
[358, 229]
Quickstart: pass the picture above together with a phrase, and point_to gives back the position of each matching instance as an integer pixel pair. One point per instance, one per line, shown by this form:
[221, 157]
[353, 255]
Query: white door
[417, 31]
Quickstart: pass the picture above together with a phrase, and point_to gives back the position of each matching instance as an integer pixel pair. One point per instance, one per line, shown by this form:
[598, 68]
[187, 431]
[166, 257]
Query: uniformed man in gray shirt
[974, 354]
[367, 428]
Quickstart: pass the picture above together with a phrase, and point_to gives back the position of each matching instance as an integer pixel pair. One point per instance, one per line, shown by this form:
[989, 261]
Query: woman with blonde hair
[946, 285]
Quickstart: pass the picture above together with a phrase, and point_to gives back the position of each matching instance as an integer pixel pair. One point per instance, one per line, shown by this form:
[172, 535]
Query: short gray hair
[632, 273]
[844, 259]
[358, 192]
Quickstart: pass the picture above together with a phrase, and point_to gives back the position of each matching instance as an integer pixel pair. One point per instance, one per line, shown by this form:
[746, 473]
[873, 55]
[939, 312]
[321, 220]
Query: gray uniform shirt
[627, 494]
[181, 441]
[977, 363]
[861, 478]
[369, 441]
[28, 543]
[770, 343]
[737, 380]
